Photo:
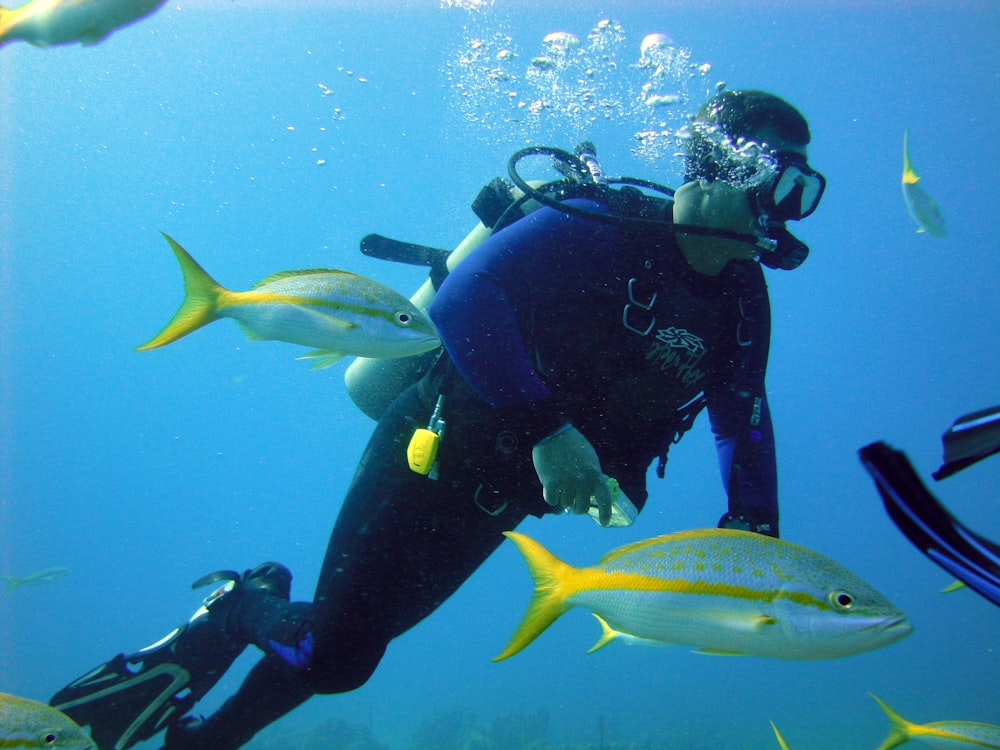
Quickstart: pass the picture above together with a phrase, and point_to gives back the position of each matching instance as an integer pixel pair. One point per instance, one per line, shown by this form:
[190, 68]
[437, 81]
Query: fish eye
[50, 738]
[841, 600]
[404, 318]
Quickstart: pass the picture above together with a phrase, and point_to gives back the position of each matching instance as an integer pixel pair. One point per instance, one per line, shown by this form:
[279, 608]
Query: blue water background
[141, 472]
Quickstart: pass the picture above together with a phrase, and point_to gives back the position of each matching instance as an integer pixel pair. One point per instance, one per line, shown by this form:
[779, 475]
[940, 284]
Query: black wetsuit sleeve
[740, 417]
[484, 309]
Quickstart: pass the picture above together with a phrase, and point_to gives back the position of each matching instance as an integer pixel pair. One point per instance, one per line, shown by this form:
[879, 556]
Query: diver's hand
[571, 475]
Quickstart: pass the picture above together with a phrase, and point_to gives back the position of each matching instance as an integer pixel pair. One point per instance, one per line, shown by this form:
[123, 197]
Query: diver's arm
[749, 467]
[483, 309]
[741, 419]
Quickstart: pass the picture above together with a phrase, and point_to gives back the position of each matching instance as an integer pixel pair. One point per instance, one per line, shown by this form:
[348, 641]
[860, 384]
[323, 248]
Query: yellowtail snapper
[919, 204]
[944, 735]
[722, 591]
[45, 575]
[336, 312]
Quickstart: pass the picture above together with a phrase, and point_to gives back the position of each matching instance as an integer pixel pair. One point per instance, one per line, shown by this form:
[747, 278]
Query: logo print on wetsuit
[680, 351]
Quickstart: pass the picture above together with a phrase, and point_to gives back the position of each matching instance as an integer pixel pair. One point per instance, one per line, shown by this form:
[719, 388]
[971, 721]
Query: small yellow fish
[720, 590]
[336, 312]
[25, 723]
[46, 23]
[920, 206]
[944, 735]
[46, 575]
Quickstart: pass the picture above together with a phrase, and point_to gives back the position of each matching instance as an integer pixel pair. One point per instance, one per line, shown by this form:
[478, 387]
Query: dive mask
[793, 193]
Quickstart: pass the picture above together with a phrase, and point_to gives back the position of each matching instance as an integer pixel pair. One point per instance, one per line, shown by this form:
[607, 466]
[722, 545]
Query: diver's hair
[741, 115]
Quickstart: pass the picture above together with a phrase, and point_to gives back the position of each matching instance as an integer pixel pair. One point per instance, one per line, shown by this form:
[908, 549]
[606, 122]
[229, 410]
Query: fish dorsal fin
[292, 274]
[628, 549]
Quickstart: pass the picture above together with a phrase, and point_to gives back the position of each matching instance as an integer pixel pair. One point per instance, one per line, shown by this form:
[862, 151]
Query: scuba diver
[580, 339]
[922, 518]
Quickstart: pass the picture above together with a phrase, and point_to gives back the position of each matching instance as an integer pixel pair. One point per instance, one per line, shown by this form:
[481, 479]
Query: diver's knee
[337, 671]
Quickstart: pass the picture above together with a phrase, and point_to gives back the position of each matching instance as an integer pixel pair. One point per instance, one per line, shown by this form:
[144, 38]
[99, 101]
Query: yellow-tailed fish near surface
[335, 312]
[45, 575]
[721, 590]
[46, 23]
[945, 735]
[920, 206]
[25, 723]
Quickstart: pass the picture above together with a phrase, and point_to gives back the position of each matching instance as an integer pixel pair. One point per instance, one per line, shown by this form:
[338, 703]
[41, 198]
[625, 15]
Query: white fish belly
[326, 329]
[715, 623]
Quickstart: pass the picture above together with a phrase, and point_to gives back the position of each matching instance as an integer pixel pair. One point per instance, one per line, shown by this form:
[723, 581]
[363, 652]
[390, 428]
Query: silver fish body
[719, 590]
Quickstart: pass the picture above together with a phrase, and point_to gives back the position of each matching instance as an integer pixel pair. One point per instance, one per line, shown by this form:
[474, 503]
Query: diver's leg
[272, 689]
[401, 545]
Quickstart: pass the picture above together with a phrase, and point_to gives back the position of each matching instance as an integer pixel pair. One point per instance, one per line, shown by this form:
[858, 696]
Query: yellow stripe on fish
[337, 313]
[944, 735]
[722, 591]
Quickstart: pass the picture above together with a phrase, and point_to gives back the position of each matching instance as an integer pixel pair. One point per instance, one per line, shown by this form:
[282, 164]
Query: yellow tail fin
[909, 176]
[201, 300]
[899, 731]
[549, 600]
[7, 18]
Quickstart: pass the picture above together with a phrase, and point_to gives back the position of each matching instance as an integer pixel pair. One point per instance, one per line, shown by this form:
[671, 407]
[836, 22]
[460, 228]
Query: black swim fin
[971, 558]
[969, 440]
[134, 696]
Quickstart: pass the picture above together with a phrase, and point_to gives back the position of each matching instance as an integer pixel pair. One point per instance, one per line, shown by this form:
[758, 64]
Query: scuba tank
[373, 384]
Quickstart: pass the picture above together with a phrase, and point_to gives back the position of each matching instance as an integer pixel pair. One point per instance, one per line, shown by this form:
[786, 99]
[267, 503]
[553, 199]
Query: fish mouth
[895, 627]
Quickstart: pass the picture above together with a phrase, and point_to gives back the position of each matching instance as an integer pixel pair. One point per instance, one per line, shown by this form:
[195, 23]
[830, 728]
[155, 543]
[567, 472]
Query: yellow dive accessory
[421, 453]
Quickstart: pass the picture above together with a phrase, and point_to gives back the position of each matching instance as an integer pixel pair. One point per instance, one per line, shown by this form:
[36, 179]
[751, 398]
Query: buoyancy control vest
[374, 383]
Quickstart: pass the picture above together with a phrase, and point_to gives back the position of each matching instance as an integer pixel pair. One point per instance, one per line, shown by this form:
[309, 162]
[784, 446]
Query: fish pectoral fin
[745, 622]
[718, 652]
[322, 358]
[325, 319]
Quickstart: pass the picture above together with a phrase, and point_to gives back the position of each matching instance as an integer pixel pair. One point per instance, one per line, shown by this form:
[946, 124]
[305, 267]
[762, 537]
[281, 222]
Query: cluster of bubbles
[743, 162]
[569, 84]
[473, 5]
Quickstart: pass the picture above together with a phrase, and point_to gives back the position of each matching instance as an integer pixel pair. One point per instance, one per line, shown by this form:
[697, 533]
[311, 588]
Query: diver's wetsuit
[556, 318]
